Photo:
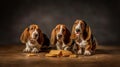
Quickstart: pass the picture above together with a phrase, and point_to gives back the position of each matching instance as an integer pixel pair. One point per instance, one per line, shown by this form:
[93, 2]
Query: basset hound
[33, 37]
[60, 36]
[84, 41]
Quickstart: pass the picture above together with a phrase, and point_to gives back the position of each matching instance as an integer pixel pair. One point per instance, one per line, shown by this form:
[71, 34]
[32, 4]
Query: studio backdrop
[101, 15]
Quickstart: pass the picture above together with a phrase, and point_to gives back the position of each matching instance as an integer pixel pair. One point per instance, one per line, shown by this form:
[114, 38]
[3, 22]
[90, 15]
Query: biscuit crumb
[73, 56]
[32, 55]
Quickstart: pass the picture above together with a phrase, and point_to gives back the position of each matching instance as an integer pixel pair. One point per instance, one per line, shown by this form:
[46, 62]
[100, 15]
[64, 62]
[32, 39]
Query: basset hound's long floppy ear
[53, 37]
[24, 36]
[73, 28]
[41, 37]
[67, 36]
[73, 36]
[87, 33]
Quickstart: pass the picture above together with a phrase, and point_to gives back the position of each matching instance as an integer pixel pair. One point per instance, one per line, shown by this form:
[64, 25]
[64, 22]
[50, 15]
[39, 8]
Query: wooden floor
[12, 56]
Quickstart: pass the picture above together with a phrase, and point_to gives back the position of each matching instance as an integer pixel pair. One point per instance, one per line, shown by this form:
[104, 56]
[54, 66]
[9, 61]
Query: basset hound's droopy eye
[56, 28]
[76, 23]
[63, 30]
[38, 30]
[31, 28]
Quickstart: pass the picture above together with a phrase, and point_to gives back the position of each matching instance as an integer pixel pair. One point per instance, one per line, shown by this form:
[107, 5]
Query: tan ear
[53, 37]
[73, 36]
[88, 33]
[73, 29]
[67, 36]
[24, 36]
[41, 37]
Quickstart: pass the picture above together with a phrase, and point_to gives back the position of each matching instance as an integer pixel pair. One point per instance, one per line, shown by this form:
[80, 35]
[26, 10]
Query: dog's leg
[37, 48]
[79, 50]
[64, 46]
[87, 50]
[74, 48]
[58, 46]
[27, 49]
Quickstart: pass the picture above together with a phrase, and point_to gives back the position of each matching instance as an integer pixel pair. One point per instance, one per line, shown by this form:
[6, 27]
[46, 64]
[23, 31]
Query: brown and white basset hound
[33, 37]
[60, 36]
[84, 41]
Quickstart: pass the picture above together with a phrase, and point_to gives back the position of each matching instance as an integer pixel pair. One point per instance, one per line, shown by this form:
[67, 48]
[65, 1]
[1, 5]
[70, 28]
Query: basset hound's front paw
[27, 49]
[79, 52]
[35, 50]
[65, 48]
[87, 53]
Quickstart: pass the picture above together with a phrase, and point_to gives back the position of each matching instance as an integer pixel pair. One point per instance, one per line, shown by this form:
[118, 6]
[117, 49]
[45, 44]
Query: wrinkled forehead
[60, 26]
[79, 22]
[34, 26]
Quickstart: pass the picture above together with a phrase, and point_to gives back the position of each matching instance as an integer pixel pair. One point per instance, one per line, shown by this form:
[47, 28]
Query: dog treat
[58, 53]
[66, 53]
[73, 56]
[32, 55]
[53, 53]
[50, 55]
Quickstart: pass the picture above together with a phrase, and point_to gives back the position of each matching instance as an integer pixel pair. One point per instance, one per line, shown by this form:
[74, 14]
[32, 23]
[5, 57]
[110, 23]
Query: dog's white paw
[35, 50]
[79, 52]
[87, 53]
[66, 48]
[27, 49]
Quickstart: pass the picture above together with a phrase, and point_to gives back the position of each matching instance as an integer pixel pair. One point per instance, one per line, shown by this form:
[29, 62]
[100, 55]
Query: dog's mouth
[77, 31]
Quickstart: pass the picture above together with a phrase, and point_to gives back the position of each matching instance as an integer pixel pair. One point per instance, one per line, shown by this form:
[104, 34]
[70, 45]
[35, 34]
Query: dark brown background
[101, 15]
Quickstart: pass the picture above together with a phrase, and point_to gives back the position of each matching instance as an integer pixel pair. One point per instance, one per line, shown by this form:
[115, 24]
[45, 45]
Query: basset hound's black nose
[59, 35]
[77, 30]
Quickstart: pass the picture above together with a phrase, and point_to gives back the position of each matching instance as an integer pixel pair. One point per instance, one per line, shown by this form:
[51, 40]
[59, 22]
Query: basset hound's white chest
[32, 43]
[32, 47]
[61, 46]
[82, 44]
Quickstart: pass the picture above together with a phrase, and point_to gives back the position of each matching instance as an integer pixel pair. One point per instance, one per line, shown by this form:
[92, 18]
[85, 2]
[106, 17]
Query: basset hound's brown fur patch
[60, 34]
[32, 35]
[83, 38]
